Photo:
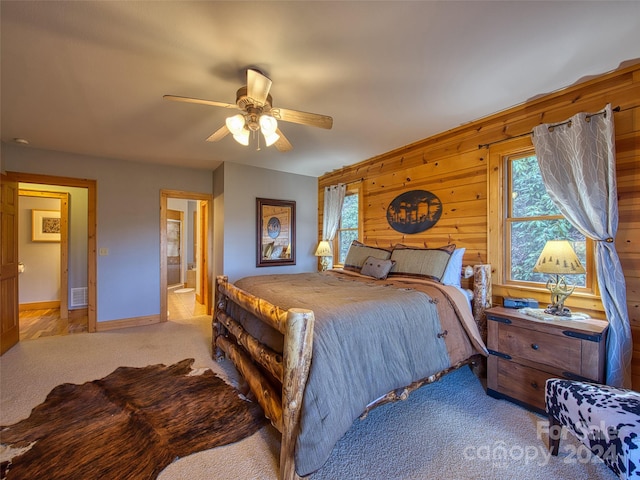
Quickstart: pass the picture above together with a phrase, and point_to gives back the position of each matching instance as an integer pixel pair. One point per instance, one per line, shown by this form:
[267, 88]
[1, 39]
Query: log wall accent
[453, 167]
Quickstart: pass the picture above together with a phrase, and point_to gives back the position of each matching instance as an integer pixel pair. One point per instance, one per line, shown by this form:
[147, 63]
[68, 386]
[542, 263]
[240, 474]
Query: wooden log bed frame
[277, 380]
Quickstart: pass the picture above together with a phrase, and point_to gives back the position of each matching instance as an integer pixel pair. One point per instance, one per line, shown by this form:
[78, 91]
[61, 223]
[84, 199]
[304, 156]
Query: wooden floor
[47, 322]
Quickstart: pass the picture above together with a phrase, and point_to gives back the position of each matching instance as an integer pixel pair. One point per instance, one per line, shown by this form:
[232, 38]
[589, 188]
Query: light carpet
[448, 430]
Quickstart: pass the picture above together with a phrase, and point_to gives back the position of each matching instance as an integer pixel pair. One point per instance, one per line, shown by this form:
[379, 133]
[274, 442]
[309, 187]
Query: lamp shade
[242, 137]
[268, 124]
[235, 124]
[271, 138]
[559, 258]
[324, 249]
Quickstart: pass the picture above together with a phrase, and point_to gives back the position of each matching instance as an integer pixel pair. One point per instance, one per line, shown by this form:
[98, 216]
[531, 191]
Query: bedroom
[133, 188]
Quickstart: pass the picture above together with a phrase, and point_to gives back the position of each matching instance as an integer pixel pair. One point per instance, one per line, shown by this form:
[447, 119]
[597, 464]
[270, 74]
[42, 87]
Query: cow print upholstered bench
[605, 419]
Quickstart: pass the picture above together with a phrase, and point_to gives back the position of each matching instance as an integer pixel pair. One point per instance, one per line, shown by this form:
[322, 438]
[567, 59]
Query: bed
[318, 350]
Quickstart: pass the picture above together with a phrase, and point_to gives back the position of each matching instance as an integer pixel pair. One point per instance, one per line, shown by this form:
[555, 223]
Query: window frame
[353, 189]
[499, 241]
[509, 220]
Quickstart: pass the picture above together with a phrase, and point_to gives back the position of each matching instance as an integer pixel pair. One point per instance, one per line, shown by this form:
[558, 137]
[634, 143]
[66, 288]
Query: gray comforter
[370, 338]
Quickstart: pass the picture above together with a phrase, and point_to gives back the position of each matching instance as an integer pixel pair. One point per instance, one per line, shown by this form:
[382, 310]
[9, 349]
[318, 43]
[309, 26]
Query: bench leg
[555, 432]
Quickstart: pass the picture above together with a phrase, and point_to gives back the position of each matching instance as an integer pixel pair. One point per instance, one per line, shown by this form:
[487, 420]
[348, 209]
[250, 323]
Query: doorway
[10, 309]
[185, 252]
[43, 268]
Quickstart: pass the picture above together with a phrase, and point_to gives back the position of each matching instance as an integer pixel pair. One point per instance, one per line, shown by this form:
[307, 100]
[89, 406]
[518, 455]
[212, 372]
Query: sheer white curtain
[333, 200]
[578, 166]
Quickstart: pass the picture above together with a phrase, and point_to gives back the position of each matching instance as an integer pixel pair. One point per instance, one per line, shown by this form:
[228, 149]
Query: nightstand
[526, 351]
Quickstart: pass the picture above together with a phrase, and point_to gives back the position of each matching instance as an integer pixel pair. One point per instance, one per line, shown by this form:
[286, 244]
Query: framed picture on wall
[45, 225]
[276, 232]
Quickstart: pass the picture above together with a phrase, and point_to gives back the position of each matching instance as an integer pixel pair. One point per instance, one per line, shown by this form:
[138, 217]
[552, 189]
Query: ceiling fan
[258, 114]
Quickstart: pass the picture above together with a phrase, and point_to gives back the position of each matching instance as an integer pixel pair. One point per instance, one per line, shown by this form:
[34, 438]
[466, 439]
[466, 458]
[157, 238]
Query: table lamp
[324, 251]
[559, 259]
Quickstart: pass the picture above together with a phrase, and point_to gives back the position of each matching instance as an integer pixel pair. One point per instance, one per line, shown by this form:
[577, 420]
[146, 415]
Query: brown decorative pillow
[377, 268]
[359, 252]
[421, 262]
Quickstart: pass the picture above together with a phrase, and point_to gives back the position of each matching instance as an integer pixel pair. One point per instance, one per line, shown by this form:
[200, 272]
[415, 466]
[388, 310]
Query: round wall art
[414, 211]
[273, 227]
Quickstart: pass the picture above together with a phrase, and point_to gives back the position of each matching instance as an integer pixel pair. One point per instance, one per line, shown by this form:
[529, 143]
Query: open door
[9, 316]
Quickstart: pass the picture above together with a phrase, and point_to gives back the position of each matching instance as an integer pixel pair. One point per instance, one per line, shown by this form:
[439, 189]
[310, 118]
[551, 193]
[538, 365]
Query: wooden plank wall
[453, 167]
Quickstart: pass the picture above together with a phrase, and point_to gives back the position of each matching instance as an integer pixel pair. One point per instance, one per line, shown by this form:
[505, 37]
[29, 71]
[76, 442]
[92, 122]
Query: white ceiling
[88, 76]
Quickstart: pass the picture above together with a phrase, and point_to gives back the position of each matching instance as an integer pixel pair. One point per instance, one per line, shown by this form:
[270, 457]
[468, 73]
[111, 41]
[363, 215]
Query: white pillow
[453, 271]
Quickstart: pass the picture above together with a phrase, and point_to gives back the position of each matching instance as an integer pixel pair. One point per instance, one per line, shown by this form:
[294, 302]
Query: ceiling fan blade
[219, 134]
[211, 103]
[304, 118]
[258, 86]
[282, 144]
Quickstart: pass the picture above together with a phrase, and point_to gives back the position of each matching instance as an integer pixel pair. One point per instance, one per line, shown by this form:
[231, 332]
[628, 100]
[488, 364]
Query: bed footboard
[276, 380]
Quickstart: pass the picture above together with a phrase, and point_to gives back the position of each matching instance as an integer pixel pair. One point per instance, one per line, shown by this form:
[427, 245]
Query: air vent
[79, 297]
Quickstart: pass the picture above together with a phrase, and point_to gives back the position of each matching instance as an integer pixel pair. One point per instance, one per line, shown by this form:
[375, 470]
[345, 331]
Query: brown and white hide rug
[128, 425]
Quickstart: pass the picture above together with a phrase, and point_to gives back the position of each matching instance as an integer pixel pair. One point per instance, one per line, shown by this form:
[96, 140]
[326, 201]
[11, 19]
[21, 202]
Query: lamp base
[560, 291]
[324, 263]
[559, 311]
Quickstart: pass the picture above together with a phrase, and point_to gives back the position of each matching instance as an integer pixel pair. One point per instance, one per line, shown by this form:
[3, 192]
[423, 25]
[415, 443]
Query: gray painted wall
[242, 185]
[128, 217]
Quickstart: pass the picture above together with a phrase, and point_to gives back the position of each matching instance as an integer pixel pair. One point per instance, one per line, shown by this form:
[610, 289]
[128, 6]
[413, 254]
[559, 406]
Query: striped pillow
[359, 252]
[421, 262]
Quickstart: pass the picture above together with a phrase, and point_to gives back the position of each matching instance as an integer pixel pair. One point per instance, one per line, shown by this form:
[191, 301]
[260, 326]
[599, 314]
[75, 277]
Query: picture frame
[45, 226]
[275, 232]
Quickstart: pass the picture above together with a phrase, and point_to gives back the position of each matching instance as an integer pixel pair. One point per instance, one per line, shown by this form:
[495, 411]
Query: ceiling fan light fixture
[258, 115]
[271, 138]
[235, 124]
[268, 125]
[242, 137]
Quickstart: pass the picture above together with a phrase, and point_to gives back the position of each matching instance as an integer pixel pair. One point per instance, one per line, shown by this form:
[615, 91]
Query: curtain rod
[487, 145]
[355, 181]
[346, 183]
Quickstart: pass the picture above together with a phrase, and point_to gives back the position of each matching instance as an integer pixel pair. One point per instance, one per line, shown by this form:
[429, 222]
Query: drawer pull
[534, 346]
[534, 385]
[499, 319]
[499, 354]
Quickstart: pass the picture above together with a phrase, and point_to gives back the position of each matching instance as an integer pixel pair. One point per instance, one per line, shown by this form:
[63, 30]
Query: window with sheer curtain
[531, 219]
[349, 228]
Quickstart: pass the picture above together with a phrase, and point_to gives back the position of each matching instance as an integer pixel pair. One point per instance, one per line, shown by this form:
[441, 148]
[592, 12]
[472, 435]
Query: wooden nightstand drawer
[523, 383]
[526, 351]
[539, 347]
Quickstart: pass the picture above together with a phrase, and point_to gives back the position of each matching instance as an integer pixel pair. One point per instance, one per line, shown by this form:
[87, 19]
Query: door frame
[206, 238]
[91, 186]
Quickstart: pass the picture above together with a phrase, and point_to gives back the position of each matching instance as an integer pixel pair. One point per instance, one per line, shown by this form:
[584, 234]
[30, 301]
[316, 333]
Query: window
[531, 218]
[349, 228]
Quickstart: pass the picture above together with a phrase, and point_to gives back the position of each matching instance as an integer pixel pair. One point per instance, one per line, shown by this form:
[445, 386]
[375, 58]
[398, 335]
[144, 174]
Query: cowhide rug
[128, 425]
